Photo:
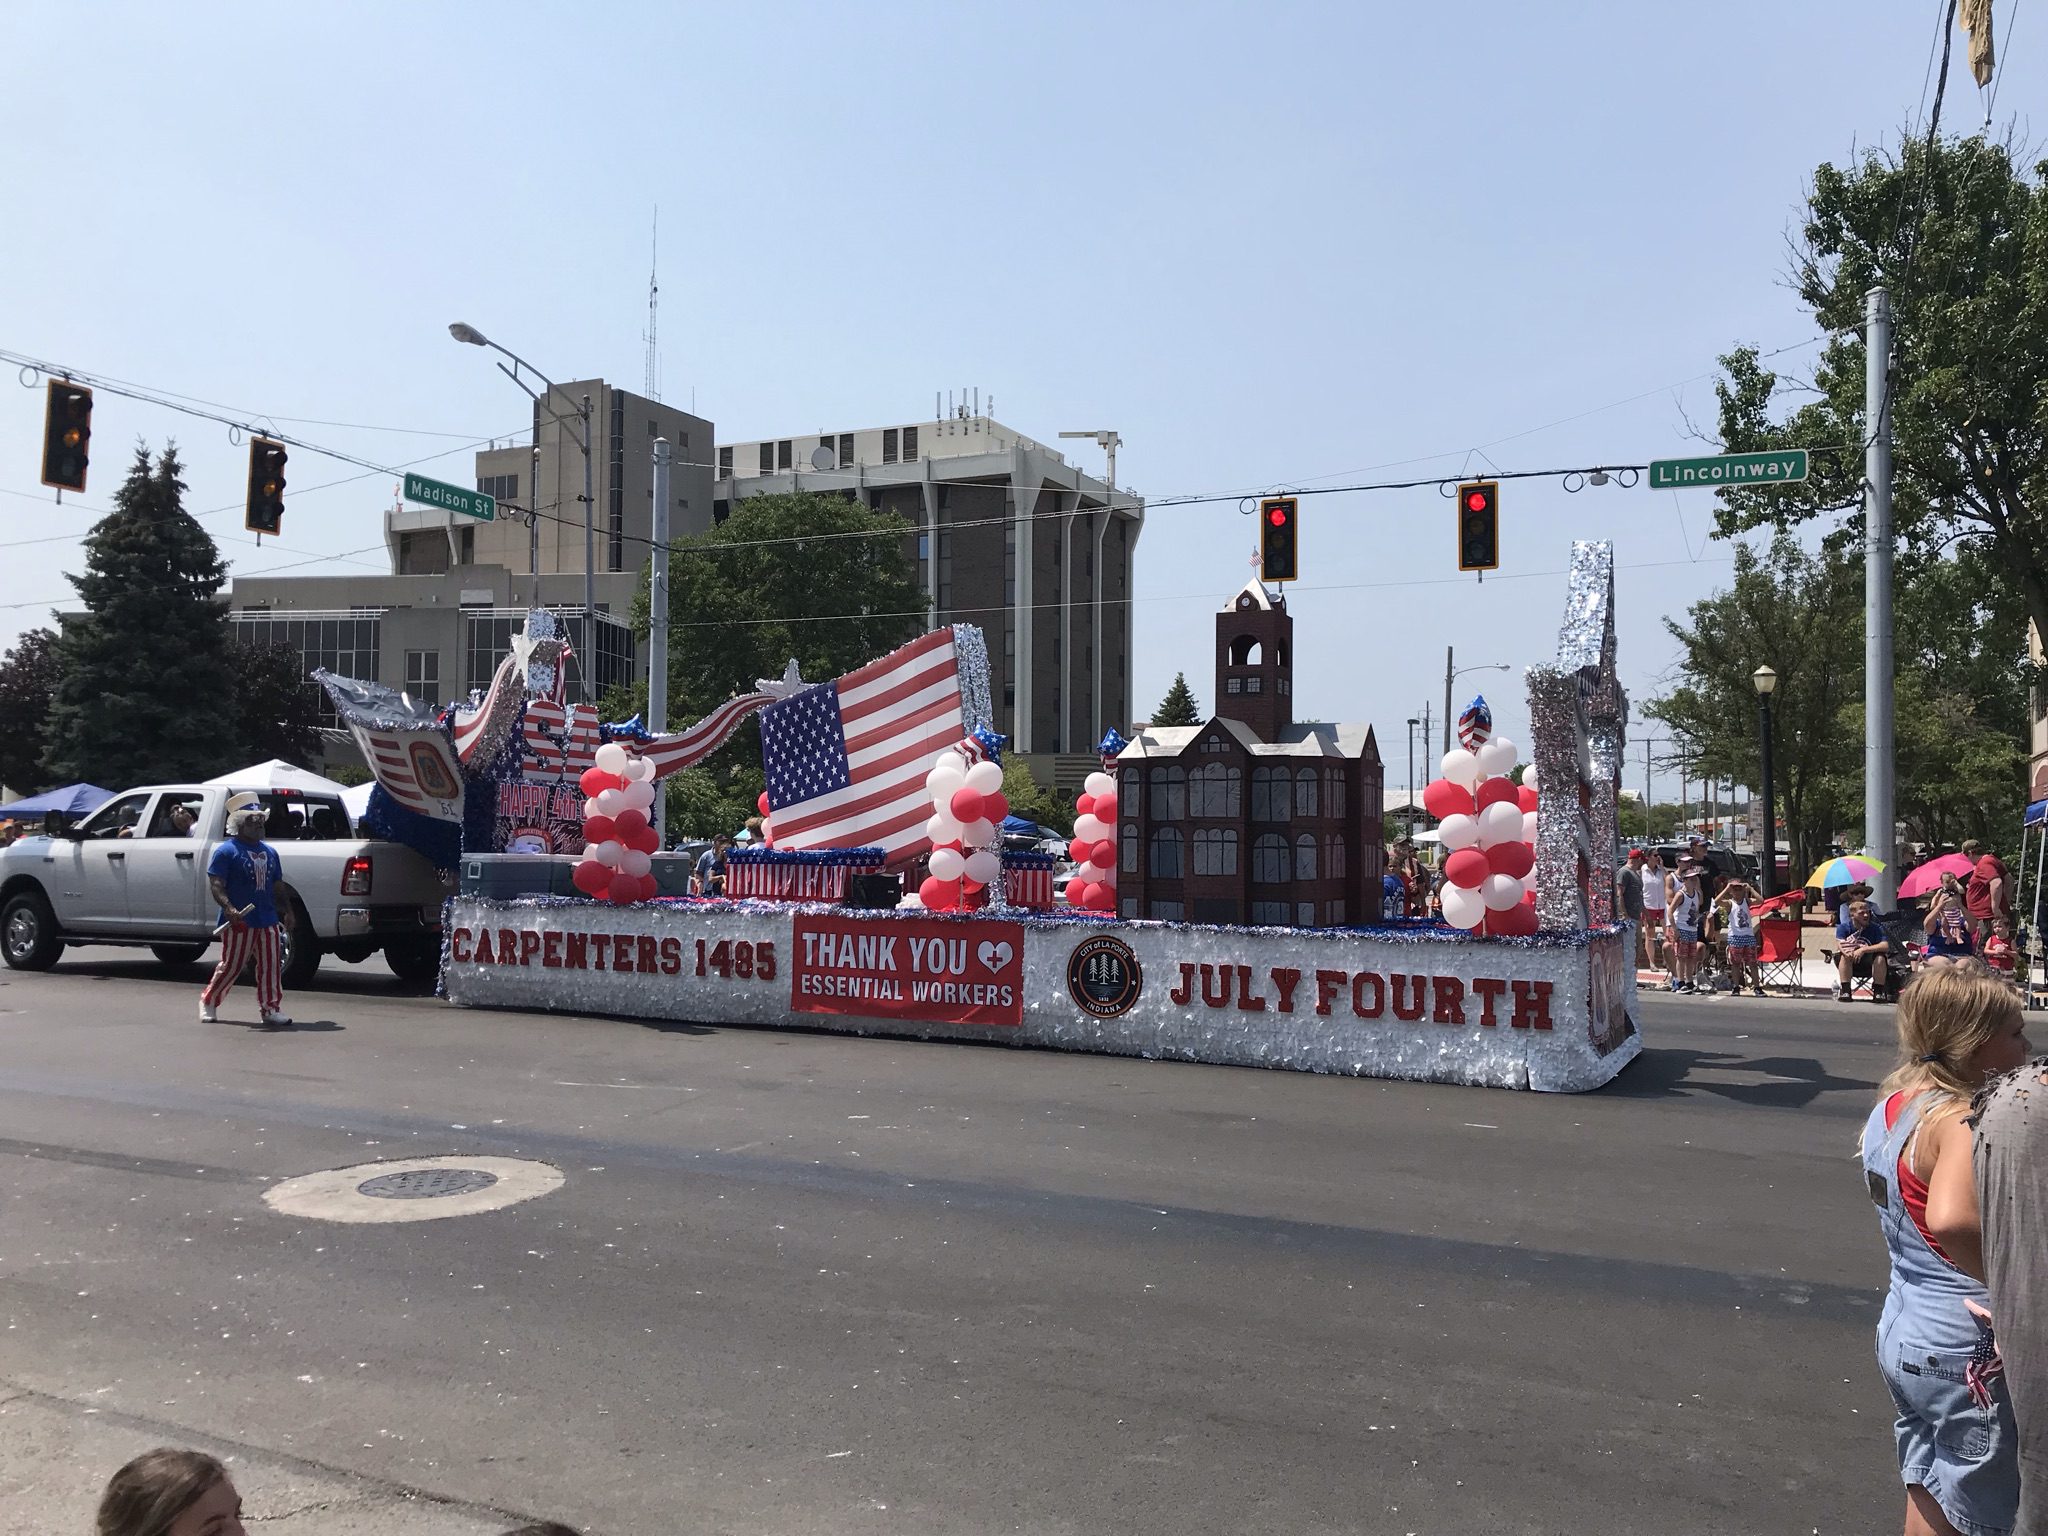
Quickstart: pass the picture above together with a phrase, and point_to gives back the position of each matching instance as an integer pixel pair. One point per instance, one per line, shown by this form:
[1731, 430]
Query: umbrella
[1854, 869]
[1928, 875]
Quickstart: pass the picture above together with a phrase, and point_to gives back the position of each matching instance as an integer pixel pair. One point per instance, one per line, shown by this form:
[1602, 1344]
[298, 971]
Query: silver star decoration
[791, 682]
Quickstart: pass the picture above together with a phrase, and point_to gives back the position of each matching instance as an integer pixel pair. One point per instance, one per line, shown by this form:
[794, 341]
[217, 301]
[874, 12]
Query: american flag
[405, 747]
[1475, 725]
[846, 761]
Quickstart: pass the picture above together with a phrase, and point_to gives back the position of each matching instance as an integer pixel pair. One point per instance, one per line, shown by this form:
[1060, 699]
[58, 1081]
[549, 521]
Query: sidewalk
[56, 1457]
[1816, 979]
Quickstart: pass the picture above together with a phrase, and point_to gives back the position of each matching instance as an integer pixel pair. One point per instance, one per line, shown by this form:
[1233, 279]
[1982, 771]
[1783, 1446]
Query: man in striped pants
[247, 882]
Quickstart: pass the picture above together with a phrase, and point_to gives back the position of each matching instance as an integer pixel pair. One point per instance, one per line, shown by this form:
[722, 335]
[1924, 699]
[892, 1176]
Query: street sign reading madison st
[1728, 469]
[453, 498]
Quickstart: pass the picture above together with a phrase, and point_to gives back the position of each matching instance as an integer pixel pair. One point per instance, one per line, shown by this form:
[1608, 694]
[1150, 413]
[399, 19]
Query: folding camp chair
[1778, 953]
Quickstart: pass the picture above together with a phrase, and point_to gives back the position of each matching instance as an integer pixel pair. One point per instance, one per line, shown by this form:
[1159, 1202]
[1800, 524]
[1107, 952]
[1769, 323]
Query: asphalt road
[805, 1283]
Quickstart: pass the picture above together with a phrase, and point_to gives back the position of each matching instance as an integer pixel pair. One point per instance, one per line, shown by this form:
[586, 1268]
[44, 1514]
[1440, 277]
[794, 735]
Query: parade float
[880, 901]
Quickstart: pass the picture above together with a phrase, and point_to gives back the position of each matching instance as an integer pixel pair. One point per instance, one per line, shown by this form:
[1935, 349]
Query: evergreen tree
[147, 693]
[276, 705]
[1179, 706]
[28, 677]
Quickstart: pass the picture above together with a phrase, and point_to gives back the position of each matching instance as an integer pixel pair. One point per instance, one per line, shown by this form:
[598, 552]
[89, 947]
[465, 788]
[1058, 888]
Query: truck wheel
[301, 951]
[177, 956]
[28, 933]
[416, 962]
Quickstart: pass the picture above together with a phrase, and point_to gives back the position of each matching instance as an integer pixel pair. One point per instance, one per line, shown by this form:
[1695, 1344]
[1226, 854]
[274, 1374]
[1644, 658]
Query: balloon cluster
[1093, 849]
[1487, 825]
[968, 810]
[617, 836]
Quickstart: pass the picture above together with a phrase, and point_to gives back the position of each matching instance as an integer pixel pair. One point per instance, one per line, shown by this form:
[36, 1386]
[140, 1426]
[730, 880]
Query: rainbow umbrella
[1852, 869]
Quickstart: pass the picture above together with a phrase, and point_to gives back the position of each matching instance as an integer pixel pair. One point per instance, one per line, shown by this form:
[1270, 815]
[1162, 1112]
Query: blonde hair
[146, 1497]
[1947, 1013]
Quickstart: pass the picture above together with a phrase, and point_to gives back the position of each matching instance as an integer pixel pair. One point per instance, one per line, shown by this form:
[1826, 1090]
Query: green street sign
[453, 498]
[1728, 469]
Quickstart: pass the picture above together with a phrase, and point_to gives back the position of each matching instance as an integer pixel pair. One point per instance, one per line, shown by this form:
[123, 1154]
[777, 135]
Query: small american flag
[846, 761]
[1475, 725]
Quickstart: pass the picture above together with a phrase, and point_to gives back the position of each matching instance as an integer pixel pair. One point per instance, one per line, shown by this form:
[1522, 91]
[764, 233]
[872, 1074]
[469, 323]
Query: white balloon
[1458, 830]
[767, 829]
[942, 829]
[610, 851]
[1529, 827]
[590, 809]
[1496, 757]
[640, 771]
[1461, 767]
[1098, 874]
[953, 762]
[1090, 829]
[612, 758]
[1098, 783]
[943, 784]
[1463, 908]
[1500, 822]
[985, 866]
[634, 862]
[610, 802]
[1500, 892]
[947, 864]
[1529, 777]
[977, 833]
[985, 778]
[639, 796]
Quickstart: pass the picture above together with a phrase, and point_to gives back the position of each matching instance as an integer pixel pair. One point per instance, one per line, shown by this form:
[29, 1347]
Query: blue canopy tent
[71, 800]
[1017, 826]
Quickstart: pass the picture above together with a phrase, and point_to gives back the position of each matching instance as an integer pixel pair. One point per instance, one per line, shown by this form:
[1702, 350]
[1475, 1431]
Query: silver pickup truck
[128, 875]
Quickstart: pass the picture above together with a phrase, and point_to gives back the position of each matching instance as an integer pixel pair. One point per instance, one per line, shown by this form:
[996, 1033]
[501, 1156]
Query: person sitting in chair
[1861, 948]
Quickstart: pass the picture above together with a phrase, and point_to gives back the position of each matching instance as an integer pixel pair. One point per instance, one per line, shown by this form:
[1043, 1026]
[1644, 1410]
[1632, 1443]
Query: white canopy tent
[278, 774]
[356, 800]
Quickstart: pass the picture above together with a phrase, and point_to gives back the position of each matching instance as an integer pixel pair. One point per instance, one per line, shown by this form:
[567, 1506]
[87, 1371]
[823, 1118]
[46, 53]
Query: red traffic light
[1475, 501]
[1277, 516]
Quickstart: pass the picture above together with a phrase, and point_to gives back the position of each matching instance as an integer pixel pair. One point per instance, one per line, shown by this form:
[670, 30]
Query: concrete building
[439, 622]
[1011, 537]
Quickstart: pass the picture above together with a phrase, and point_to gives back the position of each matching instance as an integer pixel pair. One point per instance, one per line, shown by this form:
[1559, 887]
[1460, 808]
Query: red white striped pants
[238, 946]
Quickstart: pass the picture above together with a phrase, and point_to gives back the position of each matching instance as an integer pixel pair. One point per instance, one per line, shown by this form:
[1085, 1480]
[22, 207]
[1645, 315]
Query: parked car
[125, 876]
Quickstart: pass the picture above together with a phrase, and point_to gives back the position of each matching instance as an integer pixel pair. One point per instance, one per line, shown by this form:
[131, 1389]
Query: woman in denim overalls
[1956, 1443]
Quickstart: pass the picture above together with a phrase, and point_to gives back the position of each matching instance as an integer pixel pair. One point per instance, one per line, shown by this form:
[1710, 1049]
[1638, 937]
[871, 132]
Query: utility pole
[1449, 676]
[1878, 820]
[657, 622]
[588, 670]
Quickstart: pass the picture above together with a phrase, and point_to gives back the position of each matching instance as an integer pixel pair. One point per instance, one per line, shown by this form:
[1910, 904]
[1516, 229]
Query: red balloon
[937, 894]
[1105, 809]
[1512, 859]
[599, 829]
[595, 781]
[995, 807]
[1077, 892]
[648, 841]
[591, 877]
[624, 891]
[966, 805]
[628, 824]
[1084, 805]
[1493, 791]
[1102, 898]
[1517, 922]
[761, 802]
[1104, 854]
[1466, 869]
[1080, 850]
[1442, 798]
[1526, 797]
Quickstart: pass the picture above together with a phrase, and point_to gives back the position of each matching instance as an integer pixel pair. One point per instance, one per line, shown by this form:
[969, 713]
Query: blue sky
[1271, 245]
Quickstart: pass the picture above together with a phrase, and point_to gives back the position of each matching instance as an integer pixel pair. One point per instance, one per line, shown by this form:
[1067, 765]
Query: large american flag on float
[846, 761]
[404, 746]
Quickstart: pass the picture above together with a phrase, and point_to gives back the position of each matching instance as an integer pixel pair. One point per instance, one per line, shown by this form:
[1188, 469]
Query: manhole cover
[426, 1183]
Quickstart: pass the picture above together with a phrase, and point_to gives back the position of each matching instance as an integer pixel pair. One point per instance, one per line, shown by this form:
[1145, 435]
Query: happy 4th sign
[908, 968]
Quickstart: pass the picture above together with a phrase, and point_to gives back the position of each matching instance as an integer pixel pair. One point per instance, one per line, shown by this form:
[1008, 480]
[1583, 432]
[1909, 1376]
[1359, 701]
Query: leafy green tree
[276, 711]
[1958, 235]
[1803, 615]
[1031, 800]
[146, 682]
[1179, 706]
[28, 679]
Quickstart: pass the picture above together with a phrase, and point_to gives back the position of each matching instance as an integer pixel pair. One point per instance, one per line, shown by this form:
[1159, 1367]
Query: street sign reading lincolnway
[451, 498]
[1728, 469]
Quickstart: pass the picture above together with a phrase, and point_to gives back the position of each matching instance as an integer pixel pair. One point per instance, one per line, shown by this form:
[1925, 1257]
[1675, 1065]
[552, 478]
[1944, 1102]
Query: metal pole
[1648, 835]
[1409, 808]
[588, 670]
[1767, 866]
[657, 620]
[1877, 600]
[1449, 676]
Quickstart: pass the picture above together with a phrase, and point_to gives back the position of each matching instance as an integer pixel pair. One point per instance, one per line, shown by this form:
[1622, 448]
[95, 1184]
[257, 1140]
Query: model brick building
[1251, 818]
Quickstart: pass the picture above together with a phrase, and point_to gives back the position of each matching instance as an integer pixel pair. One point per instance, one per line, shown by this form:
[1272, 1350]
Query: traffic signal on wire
[1479, 525]
[1279, 523]
[67, 435]
[266, 486]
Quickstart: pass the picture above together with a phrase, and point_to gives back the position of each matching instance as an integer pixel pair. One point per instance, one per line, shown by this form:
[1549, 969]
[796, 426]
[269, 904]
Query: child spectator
[1742, 936]
[1998, 948]
[167, 1492]
[1685, 926]
[1861, 948]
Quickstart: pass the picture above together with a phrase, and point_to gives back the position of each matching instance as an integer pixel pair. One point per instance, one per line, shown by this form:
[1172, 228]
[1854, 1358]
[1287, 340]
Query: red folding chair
[1779, 956]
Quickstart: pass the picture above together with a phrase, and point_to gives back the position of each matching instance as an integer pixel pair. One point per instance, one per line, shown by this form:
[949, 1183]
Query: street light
[472, 336]
[1451, 677]
[1766, 682]
[1108, 441]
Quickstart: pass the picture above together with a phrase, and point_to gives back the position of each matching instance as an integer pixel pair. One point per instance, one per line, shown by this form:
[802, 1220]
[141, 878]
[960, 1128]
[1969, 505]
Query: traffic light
[67, 435]
[1279, 522]
[266, 486]
[1479, 525]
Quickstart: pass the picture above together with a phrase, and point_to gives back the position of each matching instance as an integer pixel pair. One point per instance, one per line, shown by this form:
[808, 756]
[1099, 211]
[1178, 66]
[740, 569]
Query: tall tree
[1958, 235]
[1179, 706]
[28, 679]
[1801, 614]
[276, 711]
[146, 687]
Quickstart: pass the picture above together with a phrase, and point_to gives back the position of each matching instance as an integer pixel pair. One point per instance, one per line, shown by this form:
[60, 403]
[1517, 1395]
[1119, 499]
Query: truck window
[117, 818]
[165, 823]
[294, 818]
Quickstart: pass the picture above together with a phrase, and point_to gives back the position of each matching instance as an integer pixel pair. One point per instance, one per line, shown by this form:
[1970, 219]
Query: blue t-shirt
[1869, 933]
[1391, 888]
[251, 876]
